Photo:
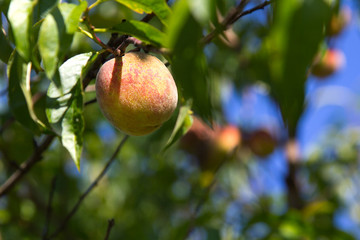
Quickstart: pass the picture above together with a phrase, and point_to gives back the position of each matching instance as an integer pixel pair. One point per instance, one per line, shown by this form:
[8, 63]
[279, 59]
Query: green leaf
[141, 30]
[65, 104]
[294, 41]
[60, 95]
[188, 62]
[159, 7]
[56, 34]
[182, 125]
[203, 10]
[43, 7]
[136, 6]
[4, 5]
[73, 125]
[71, 14]
[49, 44]
[20, 18]
[6, 48]
[20, 101]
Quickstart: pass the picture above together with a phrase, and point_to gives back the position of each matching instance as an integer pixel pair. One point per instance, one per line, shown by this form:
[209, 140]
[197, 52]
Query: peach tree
[154, 67]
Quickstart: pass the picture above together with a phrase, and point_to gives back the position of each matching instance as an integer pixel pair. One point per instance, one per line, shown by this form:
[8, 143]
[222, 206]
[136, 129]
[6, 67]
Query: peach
[262, 143]
[228, 138]
[211, 146]
[136, 93]
[331, 61]
[339, 21]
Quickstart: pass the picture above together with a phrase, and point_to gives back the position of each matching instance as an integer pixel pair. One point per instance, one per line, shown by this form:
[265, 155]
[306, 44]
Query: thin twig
[148, 17]
[232, 17]
[139, 44]
[90, 102]
[198, 208]
[247, 12]
[26, 166]
[111, 223]
[49, 208]
[88, 190]
[92, 33]
[203, 199]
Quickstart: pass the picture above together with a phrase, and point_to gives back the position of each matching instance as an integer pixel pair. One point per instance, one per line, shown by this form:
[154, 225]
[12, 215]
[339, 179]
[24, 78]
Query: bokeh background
[195, 189]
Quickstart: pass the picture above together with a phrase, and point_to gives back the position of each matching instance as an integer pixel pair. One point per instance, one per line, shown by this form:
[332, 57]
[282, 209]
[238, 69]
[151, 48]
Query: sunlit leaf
[188, 63]
[73, 125]
[65, 104]
[49, 44]
[159, 7]
[20, 101]
[136, 6]
[20, 18]
[71, 14]
[203, 10]
[59, 96]
[182, 125]
[56, 34]
[143, 31]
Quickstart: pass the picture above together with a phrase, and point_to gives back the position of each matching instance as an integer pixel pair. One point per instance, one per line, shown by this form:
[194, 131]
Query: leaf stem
[85, 32]
[94, 4]
[91, 33]
[100, 30]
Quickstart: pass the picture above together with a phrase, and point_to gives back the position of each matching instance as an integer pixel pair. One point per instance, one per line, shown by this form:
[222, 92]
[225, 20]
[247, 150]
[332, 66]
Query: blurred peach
[325, 65]
[210, 146]
[261, 142]
[339, 21]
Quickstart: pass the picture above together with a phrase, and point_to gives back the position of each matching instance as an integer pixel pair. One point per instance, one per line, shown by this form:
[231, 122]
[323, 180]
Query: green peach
[136, 93]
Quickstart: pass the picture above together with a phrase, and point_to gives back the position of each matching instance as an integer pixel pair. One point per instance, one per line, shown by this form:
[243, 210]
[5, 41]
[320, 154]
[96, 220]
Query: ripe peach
[228, 138]
[210, 146]
[331, 61]
[198, 139]
[136, 93]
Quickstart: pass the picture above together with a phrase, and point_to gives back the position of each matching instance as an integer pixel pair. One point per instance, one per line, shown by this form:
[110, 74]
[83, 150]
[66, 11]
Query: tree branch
[90, 102]
[88, 190]
[247, 12]
[37, 155]
[292, 154]
[49, 208]
[26, 166]
[92, 33]
[110, 226]
[232, 16]
[203, 200]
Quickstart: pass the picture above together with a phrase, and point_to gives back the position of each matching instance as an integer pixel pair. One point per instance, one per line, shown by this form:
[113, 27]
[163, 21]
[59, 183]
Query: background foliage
[158, 187]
